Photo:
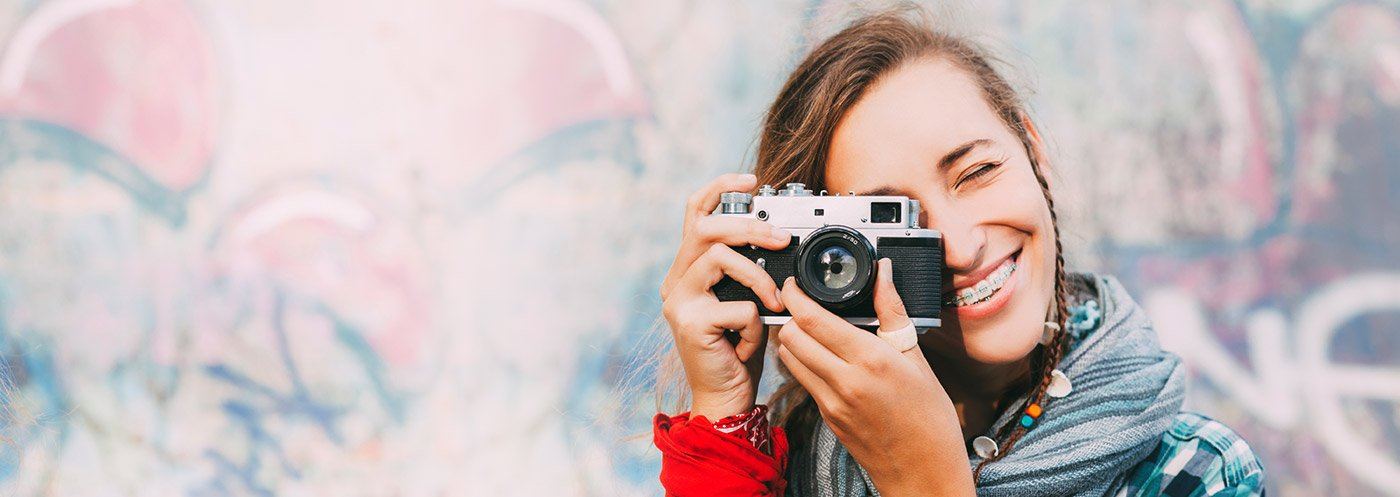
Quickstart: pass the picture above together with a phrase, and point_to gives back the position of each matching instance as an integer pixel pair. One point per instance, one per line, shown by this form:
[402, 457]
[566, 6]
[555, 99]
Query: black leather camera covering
[918, 264]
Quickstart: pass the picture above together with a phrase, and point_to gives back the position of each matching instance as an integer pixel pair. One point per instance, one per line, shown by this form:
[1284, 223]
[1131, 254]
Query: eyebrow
[944, 164]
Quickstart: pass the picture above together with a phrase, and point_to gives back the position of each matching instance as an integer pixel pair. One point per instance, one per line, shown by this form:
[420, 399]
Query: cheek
[1024, 202]
[1024, 218]
[1013, 199]
[1040, 226]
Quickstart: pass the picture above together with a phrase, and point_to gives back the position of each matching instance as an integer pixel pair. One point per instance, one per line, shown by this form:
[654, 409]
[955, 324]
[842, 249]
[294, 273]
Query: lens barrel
[836, 266]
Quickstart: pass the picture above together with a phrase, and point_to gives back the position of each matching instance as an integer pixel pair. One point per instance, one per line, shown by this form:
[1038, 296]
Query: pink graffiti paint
[542, 67]
[138, 78]
[331, 249]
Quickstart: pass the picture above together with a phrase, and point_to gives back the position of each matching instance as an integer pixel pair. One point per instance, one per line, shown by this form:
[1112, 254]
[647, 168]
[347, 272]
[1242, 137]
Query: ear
[1042, 159]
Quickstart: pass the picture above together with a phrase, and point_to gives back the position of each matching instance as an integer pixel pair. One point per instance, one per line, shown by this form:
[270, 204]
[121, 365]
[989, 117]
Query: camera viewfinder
[884, 212]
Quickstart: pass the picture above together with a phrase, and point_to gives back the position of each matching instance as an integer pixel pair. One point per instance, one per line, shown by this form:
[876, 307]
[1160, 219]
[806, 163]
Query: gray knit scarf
[1126, 393]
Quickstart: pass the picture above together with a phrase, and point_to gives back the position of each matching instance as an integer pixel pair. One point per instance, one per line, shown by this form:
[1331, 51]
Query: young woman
[1040, 382]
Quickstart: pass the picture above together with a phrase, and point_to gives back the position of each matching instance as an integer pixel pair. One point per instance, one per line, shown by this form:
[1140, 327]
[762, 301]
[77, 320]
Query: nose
[964, 240]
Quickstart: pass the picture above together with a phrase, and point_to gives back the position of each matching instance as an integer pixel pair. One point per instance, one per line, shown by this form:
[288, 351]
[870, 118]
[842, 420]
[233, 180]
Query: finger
[741, 317]
[752, 336]
[838, 336]
[816, 386]
[732, 231]
[812, 353]
[738, 316]
[704, 200]
[720, 261]
[889, 307]
[739, 231]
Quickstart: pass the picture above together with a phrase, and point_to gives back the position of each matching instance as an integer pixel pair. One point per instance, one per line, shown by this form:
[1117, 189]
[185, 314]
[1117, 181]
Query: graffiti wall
[413, 248]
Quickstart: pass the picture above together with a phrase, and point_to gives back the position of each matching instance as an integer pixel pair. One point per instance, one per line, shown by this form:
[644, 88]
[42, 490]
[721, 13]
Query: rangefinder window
[884, 212]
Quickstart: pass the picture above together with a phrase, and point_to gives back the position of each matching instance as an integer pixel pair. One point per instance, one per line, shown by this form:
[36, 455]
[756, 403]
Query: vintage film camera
[836, 241]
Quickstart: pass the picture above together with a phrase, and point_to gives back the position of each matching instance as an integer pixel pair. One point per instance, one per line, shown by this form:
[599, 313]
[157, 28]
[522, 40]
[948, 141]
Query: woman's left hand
[886, 407]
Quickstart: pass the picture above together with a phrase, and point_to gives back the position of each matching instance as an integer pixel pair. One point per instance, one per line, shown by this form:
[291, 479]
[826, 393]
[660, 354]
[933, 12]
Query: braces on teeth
[984, 289]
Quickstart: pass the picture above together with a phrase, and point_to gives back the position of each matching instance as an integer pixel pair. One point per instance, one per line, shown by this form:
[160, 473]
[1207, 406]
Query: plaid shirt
[1198, 456]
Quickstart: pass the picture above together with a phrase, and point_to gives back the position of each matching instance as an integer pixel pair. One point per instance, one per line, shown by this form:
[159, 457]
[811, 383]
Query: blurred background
[322, 247]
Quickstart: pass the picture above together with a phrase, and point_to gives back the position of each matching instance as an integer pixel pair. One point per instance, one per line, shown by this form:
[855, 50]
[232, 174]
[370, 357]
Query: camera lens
[835, 266]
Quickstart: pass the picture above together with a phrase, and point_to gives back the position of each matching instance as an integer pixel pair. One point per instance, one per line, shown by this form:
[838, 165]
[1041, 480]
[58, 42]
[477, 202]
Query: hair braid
[1050, 356]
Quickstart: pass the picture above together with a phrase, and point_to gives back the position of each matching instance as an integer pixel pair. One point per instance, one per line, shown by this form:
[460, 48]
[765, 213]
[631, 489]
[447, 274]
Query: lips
[958, 283]
[986, 296]
[984, 289]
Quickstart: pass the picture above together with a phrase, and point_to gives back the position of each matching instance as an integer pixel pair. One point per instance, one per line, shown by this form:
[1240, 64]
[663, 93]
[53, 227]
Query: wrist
[717, 409]
[721, 403]
[927, 473]
[947, 484]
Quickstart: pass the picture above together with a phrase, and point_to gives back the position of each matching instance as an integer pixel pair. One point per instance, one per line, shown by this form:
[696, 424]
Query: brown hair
[796, 137]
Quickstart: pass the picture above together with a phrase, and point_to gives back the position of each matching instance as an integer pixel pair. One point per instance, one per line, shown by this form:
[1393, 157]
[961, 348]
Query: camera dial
[795, 190]
[735, 203]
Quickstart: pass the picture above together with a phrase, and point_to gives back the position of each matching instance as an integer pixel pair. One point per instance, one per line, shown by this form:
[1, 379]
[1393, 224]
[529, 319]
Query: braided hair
[1048, 357]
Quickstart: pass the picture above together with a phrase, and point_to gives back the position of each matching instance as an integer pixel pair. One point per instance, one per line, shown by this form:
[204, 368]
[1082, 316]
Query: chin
[1000, 348]
[1008, 337]
[1006, 326]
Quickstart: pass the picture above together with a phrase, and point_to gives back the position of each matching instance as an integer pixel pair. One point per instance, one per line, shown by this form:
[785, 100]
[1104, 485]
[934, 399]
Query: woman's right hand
[723, 377]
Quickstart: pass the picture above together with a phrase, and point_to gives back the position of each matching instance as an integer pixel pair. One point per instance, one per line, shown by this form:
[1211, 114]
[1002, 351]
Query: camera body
[836, 243]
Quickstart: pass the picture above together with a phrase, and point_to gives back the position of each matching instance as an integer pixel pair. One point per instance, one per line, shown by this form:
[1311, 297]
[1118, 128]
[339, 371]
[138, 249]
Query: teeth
[984, 289]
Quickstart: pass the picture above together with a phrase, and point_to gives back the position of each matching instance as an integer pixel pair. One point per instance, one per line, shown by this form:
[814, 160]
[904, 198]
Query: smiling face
[925, 131]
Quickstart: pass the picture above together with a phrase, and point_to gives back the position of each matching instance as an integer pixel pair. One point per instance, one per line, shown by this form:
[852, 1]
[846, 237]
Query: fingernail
[886, 268]
[750, 177]
[781, 234]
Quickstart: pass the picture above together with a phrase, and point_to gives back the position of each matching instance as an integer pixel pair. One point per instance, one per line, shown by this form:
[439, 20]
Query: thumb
[889, 308]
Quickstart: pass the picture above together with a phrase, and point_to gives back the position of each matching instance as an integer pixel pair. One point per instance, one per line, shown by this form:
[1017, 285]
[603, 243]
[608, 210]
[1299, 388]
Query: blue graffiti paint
[353, 339]
[249, 414]
[250, 420]
[28, 369]
[39, 140]
[603, 139]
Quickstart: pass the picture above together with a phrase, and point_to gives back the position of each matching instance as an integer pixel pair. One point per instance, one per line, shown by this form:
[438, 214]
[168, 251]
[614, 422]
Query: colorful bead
[1034, 411]
[1027, 421]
